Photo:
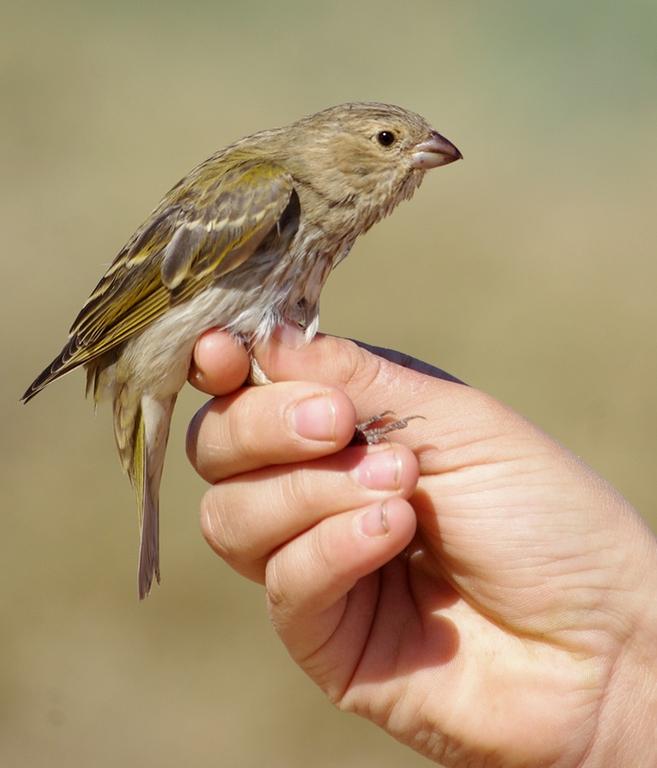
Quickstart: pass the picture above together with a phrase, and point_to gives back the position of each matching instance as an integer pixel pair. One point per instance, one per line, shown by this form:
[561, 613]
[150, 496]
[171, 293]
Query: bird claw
[368, 434]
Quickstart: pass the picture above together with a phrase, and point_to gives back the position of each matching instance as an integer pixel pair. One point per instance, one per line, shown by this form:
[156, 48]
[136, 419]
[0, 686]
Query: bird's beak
[435, 151]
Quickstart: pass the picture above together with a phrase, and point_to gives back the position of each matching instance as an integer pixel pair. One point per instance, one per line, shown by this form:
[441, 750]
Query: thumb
[220, 363]
[372, 382]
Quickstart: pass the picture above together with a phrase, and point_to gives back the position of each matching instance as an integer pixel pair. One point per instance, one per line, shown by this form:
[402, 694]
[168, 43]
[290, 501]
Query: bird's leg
[367, 433]
[257, 377]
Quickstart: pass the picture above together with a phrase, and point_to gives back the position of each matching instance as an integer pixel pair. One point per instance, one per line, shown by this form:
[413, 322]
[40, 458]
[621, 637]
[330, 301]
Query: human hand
[496, 605]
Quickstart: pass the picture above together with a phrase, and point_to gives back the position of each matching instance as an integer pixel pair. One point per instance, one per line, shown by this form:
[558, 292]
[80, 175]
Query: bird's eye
[385, 138]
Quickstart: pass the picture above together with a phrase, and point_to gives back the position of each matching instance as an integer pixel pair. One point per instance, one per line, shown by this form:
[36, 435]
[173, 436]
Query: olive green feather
[190, 240]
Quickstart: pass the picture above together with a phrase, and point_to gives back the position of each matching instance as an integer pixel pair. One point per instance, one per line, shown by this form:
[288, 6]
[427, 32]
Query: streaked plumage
[244, 242]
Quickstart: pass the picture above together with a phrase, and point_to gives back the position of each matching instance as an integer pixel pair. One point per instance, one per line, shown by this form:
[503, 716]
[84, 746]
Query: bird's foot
[368, 433]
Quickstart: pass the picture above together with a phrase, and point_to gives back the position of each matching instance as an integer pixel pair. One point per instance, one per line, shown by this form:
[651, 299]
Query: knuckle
[217, 528]
[246, 432]
[323, 550]
[239, 428]
[276, 592]
[287, 586]
[363, 369]
[295, 490]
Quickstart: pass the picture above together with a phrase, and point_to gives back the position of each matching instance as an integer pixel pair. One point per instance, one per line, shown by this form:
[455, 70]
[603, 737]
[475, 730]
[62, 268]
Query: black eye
[385, 138]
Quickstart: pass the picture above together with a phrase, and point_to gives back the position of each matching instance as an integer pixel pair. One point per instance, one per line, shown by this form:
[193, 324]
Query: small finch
[244, 242]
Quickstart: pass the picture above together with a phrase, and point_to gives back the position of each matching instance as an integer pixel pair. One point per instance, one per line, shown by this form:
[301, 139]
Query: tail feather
[141, 428]
[150, 435]
[149, 546]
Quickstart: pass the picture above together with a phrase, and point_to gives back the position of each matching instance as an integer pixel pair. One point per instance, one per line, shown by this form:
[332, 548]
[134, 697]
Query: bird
[244, 242]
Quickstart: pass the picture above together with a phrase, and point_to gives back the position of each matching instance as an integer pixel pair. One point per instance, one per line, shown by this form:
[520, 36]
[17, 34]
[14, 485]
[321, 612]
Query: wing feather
[198, 233]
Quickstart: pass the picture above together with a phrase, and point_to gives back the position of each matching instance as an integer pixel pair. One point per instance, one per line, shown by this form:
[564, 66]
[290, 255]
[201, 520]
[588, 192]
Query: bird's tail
[142, 429]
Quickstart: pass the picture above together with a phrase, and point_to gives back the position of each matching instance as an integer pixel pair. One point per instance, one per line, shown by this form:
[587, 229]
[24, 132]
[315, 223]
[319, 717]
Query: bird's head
[375, 153]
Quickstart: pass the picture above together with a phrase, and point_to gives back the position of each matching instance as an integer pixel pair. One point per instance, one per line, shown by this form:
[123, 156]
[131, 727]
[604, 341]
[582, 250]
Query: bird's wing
[191, 239]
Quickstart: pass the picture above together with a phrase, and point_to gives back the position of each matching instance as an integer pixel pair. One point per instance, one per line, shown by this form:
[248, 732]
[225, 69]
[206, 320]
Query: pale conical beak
[435, 151]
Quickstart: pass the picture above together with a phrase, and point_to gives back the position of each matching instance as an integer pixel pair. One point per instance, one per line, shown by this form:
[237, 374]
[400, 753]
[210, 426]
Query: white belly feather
[157, 360]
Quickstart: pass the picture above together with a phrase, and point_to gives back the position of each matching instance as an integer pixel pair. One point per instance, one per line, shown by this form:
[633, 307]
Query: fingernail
[314, 418]
[374, 522]
[289, 335]
[380, 471]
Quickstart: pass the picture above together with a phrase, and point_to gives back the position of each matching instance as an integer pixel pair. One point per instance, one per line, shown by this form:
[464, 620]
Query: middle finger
[245, 534]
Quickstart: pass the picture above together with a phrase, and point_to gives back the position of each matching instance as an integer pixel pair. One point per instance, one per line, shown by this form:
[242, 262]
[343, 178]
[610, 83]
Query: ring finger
[245, 534]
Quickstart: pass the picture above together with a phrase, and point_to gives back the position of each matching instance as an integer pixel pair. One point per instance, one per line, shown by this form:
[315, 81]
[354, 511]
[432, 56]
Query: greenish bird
[244, 242]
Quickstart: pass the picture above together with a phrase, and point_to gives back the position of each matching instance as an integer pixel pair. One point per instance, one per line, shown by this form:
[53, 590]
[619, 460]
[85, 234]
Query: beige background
[528, 269]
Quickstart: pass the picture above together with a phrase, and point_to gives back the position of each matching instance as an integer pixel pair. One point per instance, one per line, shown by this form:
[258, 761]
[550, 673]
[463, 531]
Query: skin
[484, 597]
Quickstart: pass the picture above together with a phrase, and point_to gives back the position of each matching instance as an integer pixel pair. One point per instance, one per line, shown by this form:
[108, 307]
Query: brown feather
[244, 242]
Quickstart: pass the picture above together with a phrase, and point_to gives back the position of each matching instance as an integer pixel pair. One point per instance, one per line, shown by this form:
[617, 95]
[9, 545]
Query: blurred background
[528, 270]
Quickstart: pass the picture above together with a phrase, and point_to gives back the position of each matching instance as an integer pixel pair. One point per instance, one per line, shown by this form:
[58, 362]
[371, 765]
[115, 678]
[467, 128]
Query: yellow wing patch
[208, 225]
